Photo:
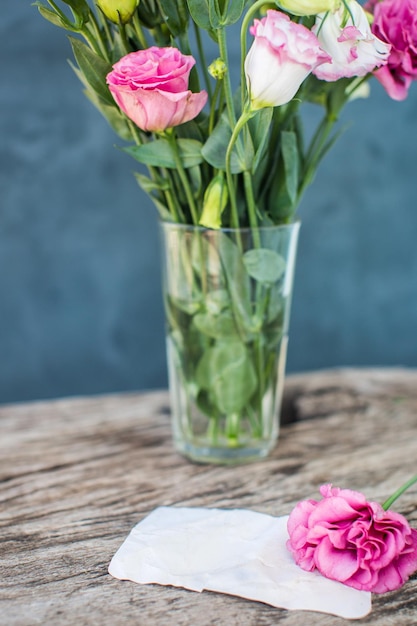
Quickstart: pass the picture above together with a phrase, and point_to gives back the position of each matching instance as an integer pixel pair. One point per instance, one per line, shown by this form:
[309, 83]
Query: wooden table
[77, 474]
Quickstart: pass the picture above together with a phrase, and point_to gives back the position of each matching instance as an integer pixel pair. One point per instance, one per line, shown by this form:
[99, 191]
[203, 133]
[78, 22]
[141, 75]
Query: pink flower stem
[399, 492]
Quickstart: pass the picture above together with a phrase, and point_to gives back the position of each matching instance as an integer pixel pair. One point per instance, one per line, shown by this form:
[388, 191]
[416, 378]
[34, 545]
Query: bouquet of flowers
[233, 154]
[227, 164]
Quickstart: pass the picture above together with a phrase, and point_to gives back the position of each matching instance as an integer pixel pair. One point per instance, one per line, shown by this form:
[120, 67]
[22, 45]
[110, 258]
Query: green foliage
[258, 153]
[80, 11]
[232, 165]
[226, 371]
[94, 69]
[159, 153]
[264, 265]
[175, 15]
[215, 148]
[200, 13]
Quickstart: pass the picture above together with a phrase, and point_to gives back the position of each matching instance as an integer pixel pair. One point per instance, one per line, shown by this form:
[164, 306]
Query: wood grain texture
[77, 474]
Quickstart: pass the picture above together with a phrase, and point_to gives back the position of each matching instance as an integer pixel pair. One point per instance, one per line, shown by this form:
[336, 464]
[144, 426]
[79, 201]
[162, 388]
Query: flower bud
[118, 10]
[215, 201]
[308, 7]
[217, 69]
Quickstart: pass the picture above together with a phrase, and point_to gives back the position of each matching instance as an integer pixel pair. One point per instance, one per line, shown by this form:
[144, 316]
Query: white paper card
[238, 552]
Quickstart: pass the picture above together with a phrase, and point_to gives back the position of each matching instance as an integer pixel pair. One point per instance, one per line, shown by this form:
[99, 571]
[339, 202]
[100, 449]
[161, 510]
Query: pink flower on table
[280, 59]
[354, 49]
[356, 542]
[151, 87]
[395, 21]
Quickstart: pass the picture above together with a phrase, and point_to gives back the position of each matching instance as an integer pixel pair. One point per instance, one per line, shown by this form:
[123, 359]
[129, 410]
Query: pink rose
[347, 37]
[395, 21]
[353, 541]
[280, 59]
[151, 87]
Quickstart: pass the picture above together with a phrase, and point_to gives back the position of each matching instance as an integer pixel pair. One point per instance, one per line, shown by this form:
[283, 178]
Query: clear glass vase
[227, 300]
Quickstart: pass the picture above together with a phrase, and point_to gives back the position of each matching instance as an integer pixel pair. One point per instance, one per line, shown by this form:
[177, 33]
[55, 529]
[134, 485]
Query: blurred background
[81, 307]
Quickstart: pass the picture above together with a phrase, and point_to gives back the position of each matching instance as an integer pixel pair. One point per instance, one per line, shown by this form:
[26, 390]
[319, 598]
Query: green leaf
[93, 67]
[55, 18]
[111, 112]
[227, 371]
[163, 211]
[149, 185]
[159, 153]
[289, 151]
[174, 15]
[191, 130]
[215, 148]
[216, 326]
[227, 14]
[80, 8]
[217, 300]
[276, 306]
[206, 404]
[283, 193]
[238, 283]
[259, 129]
[149, 14]
[264, 265]
[195, 179]
[199, 10]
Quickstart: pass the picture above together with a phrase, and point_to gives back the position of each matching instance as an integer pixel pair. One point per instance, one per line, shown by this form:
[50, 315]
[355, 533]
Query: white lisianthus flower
[347, 37]
[280, 59]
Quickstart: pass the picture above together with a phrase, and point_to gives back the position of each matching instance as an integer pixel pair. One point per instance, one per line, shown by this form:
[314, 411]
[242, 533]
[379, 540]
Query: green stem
[261, 375]
[213, 100]
[203, 61]
[101, 19]
[232, 428]
[100, 39]
[173, 205]
[314, 151]
[227, 86]
[250, 199]
[183, 176]
[135, 132]
[137, 26]
[399, 492]
[124, 38]
[246, 115]
[255, 423]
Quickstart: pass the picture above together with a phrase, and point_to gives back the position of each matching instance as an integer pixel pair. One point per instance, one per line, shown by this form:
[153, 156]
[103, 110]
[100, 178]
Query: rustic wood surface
[77, 474]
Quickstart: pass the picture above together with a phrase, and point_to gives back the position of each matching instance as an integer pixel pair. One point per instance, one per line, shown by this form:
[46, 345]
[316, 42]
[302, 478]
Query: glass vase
[227, 297]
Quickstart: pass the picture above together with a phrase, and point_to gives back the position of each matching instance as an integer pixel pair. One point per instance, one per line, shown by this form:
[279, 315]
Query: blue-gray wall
[80, 306]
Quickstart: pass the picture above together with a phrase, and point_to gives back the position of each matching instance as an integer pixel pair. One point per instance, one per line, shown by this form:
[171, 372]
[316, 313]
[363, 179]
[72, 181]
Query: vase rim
[181, 226]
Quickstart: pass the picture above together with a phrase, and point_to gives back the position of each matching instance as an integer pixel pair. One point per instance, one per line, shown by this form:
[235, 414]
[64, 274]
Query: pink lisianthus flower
[356, 542]
[395, 21]
[280, 59]
[151, 87]
[354, 49]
